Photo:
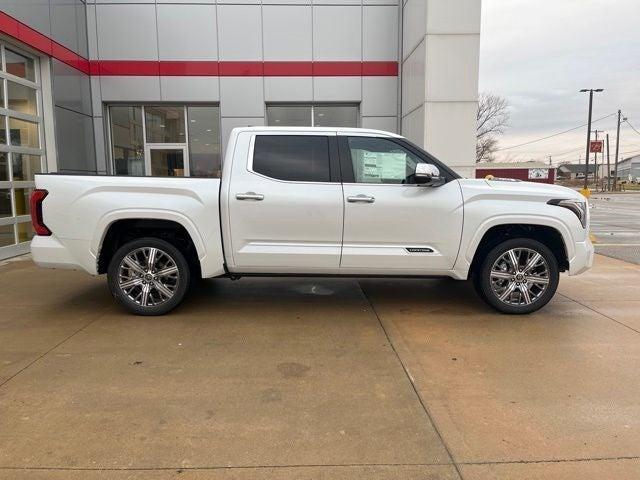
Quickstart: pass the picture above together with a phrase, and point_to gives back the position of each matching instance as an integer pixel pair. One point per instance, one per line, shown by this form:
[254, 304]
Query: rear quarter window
[296, 158]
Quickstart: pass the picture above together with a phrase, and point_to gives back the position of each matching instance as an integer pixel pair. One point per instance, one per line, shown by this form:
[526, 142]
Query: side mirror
[427, 174]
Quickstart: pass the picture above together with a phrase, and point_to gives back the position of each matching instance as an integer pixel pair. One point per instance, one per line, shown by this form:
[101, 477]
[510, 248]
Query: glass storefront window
[24, 166]
[167, 162]
[20, 65]
[4, 167]
[6, 236]
[3, 130]
[325, 115]
[23, 153]
[204, 141]
[166, 140]
[289, 115]
[25, 231]
[23, 133]
[21, 199]
[5, 202]
[165, 124]
[335, 116]
[127, 141]
[21, 98]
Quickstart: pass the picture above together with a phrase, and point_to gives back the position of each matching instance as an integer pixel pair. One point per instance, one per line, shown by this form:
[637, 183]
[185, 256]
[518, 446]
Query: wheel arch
[178, 231]
[548, 235]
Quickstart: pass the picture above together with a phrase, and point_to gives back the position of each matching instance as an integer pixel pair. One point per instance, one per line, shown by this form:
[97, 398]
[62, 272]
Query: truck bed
[79, 210]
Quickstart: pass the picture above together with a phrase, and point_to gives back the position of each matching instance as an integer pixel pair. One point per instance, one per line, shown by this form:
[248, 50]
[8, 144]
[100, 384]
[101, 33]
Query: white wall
[440, 64]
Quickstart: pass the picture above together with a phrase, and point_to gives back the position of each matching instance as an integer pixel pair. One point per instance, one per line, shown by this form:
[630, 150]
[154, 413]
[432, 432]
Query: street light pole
[586, 165]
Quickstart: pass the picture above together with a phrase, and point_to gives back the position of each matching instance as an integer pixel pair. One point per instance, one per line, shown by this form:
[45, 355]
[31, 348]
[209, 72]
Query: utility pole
[615, 168]
[595, 162]
[608, 166]
[586, 168]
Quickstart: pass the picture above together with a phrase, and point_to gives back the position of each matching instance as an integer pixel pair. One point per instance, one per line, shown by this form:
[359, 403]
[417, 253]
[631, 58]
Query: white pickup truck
[312, 202]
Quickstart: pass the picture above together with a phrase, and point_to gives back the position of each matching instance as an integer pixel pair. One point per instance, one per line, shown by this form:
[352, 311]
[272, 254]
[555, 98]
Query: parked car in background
[313, 202]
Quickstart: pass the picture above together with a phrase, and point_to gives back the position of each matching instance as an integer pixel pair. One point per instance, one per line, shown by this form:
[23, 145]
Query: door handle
[361, 199]
[250, 196]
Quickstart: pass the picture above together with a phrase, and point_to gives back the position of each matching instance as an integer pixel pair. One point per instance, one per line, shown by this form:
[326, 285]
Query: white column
[440, 63]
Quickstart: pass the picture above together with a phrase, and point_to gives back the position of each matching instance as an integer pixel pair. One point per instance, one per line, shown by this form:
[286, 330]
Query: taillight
[35, 202]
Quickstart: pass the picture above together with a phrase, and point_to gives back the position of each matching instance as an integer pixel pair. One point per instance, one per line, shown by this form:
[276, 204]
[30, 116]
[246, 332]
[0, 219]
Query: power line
[632, 127]
[554, 135]
[629, 151]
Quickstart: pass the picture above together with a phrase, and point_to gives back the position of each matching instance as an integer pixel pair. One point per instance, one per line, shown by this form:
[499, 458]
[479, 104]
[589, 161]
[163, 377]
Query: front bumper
[582, 259]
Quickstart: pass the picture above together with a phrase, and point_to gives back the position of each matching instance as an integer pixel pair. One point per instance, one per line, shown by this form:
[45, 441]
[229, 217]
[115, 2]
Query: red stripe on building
[337, 69]
[188, 69]
[8, 25]
[34, 38]
[142, 68]
[241, 69]
[379, 69]
[153, 68]
[288, 69]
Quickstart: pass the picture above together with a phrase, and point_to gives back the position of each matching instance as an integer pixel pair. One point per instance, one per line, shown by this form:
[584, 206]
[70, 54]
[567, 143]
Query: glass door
[166, 161]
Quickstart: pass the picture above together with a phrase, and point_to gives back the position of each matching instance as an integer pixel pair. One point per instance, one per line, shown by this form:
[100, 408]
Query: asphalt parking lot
[615, 225]
[319, 379]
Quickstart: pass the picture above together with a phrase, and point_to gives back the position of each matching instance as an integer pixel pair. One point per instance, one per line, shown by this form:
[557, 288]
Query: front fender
[526, 219]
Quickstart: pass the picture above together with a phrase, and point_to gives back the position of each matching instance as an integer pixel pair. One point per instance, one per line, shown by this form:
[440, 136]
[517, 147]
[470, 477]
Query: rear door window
[295, 158]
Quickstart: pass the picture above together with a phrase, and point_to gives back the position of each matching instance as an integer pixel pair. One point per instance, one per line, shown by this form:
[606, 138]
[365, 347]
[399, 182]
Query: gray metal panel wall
[267, 30]
[65, 21]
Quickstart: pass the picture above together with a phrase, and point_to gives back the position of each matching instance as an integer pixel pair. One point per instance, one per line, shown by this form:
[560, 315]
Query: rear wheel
[518, 276]
[148, 276]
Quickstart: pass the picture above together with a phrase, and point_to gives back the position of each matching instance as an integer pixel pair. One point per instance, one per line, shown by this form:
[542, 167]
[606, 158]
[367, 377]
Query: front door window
[379, 160]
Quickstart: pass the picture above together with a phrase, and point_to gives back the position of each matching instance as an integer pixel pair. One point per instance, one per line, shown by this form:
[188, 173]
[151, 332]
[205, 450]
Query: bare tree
[492, 119]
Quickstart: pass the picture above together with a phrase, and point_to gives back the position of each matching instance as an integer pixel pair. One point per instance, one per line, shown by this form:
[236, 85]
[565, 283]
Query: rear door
[285, 204]
[391, 225]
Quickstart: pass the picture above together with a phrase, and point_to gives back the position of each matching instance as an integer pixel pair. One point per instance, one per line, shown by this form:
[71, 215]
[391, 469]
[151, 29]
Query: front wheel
[518, 276]
[148, 276]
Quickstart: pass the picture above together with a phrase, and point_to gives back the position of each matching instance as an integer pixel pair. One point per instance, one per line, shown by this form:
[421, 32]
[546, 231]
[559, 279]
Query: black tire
[482, 277]
[179, 280]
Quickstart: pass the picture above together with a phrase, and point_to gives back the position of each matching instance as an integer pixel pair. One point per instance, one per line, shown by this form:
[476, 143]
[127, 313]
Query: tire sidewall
[484, 282]
[173, 252]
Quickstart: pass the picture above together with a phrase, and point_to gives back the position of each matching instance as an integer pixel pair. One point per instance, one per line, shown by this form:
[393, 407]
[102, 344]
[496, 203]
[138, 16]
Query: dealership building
[153, 87]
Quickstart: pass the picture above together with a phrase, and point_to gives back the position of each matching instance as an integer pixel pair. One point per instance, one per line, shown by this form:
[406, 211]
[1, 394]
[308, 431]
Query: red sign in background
[595, 146]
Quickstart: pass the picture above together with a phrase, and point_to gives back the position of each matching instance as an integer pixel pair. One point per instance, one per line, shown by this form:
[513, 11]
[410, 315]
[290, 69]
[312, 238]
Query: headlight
[578, 207]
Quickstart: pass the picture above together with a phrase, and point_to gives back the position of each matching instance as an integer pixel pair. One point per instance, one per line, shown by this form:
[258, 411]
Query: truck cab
[336, 202]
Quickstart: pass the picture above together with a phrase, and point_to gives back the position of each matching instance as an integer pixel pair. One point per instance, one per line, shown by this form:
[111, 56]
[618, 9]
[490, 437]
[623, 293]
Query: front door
[166, 161]
[285, 203]
[391, 225]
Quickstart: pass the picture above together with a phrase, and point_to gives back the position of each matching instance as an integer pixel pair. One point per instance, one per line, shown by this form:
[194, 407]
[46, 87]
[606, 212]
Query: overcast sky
[539, 53]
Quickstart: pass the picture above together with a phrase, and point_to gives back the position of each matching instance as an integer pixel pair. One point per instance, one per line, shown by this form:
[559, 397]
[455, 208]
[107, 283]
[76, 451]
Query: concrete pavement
[615, 225]
[319, 378]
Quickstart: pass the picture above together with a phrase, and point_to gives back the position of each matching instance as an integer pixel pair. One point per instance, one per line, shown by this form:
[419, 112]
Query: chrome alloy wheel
[519, 276]
[148, 276]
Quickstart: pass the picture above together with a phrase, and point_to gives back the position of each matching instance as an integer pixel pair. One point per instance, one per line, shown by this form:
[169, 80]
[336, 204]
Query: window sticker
[379, 166]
